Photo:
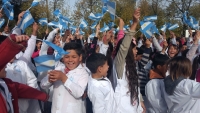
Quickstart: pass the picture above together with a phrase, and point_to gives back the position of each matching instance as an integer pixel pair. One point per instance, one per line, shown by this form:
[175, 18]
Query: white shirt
[67, 97]
[155, 96]
[101, 94]
[18, 71]
[103, 48]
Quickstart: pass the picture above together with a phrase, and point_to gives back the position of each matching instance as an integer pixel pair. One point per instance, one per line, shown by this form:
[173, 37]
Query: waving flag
[93, 25]
[154, 29]
[60, 50]
[150, 18]
[193, 23]
[92, 36]
[173, 27]
[2, 21]
[8, 9]
[35, 3]
[45, 63]
[83, 24]
[26, 21]
[111, 24]
[145, 28]
[64, 18]
[95, 17]
[81, 32]
[111, 9]
[104, 9]
[57, 13]
[43, 21]
[105, 28]
[164, 28]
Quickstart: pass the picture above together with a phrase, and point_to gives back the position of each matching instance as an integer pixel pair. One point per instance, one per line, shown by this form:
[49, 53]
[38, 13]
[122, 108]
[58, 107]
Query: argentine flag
[83, 24]
[193, 23]
[164, 28]
[35, 3]
[43, 21]
[150, 18]
[173, 27]
[146, 28]
[57, 13]
[81, 32]
[105, 28]
[45, 63]
[93, 25]
[8, 9]
[111, 6]
[60, 51]
[2, 21]
[53, 24]
[26, 21]
[95, 17]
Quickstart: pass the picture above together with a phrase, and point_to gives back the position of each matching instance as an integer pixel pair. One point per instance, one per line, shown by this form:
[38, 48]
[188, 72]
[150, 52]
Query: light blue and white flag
[43, 21]
[2, 21]
[150, 18]
[57, 13]
[193, 23]
[146, 28]
[8, 9]
[45, 63]
[53, 24]
[26, 21]
[92, 36]
[154, 29]
[93, 26]
[111, 9]
[64, 18]
[35, 3]
[83, 24]
[126, 27]
[164, 28]
[59, 50]
[105, 28]
[82, 33]
[95, 17]
[104, 9]
[111, 24]
[173, 27]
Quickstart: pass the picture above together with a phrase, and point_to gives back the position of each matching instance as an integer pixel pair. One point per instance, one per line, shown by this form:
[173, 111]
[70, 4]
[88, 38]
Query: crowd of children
[109, 74]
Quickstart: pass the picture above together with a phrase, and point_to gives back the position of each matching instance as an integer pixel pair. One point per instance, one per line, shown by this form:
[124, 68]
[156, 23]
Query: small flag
[173, 27]
[35, 3]
[93, 25]
[26, 21]
[2, 21]
[111, 9]
[8, 9]
[43, 21]
[95, 17]
[45, 63]
[81, 32]
[145, 28]
[150, 18]
[57, 13]
[105, 28]
[60, 50]
[92, 36]
[104, 9]
[111, 24]
[164, 28]
[83, 24]
[53, 24]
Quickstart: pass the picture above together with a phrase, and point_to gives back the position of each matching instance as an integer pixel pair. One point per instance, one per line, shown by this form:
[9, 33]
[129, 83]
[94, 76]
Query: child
[182, 95]
[69, 82]
[154, 86]
[100, 91]
[127, 94]
[10, 91]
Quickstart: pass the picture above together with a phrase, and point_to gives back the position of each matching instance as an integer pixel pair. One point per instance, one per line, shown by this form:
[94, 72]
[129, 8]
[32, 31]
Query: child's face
[104, 69]
[172, 51]
[72, 60]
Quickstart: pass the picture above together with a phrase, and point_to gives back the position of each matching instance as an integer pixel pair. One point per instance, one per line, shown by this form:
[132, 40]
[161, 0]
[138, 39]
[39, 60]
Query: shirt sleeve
[77, 88]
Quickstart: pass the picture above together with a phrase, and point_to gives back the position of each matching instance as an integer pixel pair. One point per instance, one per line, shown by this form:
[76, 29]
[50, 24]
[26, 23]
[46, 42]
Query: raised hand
[35, 29]
[121, 24]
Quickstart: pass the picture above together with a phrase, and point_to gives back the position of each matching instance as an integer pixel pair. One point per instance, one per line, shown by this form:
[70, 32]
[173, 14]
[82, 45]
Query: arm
[44, 46]
[156, 44]
[10, 49]
[121, 31]
[77, 89]
[45, 84]
[123, 50]
[31, 44]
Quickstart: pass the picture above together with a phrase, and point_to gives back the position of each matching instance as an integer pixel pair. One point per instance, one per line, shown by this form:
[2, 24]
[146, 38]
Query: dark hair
[2, 38]
[179, 66]
[36, 44]
[74, 46]
[195, 66]
[160, 59]
[140, 51]
[131, 74]
[94, 61]
[175, 47]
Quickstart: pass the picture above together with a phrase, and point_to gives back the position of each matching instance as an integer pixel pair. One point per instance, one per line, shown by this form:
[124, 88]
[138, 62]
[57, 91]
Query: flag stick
[8, 22]
[29, 8]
